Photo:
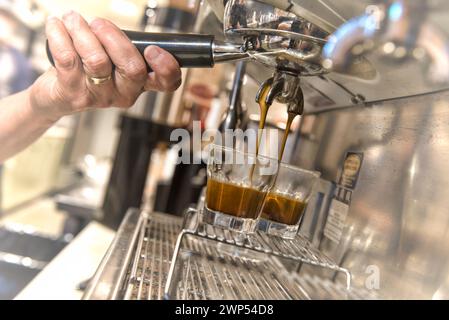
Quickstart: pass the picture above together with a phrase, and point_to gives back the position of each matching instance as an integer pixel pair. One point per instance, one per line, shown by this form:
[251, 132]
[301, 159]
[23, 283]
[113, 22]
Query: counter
[74, 264]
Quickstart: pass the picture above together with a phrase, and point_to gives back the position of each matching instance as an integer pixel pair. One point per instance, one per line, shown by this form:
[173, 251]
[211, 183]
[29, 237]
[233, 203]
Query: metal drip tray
[151, 262]
[224, 276]
[139, 262]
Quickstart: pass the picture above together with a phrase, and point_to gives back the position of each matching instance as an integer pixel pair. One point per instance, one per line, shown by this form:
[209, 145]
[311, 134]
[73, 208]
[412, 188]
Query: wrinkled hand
[81, 51]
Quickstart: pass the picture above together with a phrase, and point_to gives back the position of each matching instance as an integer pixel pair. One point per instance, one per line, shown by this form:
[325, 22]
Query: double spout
[285, 88]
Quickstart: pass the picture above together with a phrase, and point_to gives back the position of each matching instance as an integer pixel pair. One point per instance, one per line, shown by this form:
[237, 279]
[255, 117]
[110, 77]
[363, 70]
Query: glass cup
[286, 202]
[237, 184]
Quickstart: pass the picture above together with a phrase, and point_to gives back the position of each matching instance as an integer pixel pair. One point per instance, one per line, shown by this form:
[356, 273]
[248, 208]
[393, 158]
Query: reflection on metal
[397, 219]
[373, 75]
[235, 115]
[276, 38]
[318, 12]
[136, 267]
[397, 30]
[297, 250]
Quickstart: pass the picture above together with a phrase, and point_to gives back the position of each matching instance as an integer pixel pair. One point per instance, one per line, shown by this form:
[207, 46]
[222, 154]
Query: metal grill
[319, 289]
[298, 249]
[225, 273]
[207, 269]
[154, 250]
[225, 277]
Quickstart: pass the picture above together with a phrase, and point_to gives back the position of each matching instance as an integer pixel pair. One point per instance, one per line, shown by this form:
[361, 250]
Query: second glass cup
[287, 200]
[237, 184]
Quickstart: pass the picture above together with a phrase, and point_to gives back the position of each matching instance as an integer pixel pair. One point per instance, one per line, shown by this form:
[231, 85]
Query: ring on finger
[99, 80]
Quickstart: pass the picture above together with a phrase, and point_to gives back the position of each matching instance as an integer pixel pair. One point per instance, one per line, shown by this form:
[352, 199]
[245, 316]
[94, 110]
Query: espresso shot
[232, 199]
[286, 202]
[283, 209]
[237, 185]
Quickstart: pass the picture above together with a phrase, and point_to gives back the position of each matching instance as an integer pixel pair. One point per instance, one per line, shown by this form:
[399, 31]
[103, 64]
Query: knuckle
[97, 63]
[66, 59]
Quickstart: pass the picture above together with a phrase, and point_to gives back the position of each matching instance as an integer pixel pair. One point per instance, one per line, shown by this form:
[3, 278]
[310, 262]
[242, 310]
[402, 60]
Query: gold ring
[96, 80]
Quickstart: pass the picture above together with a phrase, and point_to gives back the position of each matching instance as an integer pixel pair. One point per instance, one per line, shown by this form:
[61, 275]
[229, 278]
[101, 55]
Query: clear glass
[286, 202]
[237, 184]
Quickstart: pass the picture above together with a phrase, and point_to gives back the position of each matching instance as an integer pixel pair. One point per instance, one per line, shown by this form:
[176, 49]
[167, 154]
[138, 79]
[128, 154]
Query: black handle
[190, 50]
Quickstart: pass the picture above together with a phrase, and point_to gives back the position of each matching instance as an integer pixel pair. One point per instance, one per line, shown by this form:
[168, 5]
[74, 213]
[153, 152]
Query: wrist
[41, 104]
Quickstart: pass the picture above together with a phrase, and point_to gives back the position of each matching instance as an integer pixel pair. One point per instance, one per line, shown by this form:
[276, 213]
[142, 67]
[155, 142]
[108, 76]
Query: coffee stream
[245, 202]
[263, 115]
[278, 207]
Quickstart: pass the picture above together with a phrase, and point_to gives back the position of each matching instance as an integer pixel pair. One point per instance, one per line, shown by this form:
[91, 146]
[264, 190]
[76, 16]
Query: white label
[336, 220]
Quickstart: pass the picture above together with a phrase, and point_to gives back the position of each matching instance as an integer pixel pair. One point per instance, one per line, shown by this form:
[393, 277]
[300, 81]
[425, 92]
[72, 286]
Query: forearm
[20, 124]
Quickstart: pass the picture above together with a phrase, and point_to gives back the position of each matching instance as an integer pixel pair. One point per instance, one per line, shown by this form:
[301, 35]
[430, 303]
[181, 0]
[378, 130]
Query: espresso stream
[245, 202]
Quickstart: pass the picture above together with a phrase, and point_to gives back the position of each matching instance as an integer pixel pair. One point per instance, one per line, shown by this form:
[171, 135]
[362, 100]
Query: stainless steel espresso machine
[370, 79]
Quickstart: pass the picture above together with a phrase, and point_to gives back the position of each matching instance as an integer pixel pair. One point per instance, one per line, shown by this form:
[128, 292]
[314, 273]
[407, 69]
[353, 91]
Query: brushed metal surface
[398, 220]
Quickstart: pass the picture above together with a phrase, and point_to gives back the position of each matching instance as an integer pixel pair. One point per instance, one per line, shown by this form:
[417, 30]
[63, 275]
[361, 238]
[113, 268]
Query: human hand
[97, 66]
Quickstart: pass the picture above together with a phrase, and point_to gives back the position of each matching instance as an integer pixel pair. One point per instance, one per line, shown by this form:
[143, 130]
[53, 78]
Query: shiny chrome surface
[320, 13]
[221, 276]
[108, 281]
[373, 76]
[397, 221]
[235, 114]
[398, 30]
[298, 250]
[136, 267]
[276, 38]
[151, 261]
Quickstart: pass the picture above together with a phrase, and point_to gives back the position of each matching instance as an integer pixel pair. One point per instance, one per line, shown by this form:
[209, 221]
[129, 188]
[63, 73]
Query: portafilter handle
[190, 50]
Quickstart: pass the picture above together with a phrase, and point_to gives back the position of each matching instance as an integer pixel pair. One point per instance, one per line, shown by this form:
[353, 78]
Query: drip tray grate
[169, 260]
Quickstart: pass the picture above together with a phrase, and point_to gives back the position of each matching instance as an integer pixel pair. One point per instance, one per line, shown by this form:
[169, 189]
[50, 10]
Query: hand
[82, 51]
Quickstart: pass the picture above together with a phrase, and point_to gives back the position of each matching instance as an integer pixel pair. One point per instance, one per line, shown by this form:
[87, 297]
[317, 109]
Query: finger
[95, 61]
[166, 75]
[67, 62]
[131, 71]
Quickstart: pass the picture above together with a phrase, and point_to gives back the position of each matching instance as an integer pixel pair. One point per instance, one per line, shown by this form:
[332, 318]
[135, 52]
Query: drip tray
[137, 266]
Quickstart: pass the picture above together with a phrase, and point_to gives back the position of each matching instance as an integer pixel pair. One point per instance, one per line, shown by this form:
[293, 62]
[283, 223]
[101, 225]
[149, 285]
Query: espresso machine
[370, 81]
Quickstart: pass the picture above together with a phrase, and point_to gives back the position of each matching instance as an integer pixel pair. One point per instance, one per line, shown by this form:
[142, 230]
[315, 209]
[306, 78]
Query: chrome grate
[324, 289]
[206, 269]
[225, 273]
[154, 250]
[222, 276]
[298, 250]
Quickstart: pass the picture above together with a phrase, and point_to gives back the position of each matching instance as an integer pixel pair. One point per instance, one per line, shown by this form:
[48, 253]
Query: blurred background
[56, 187]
